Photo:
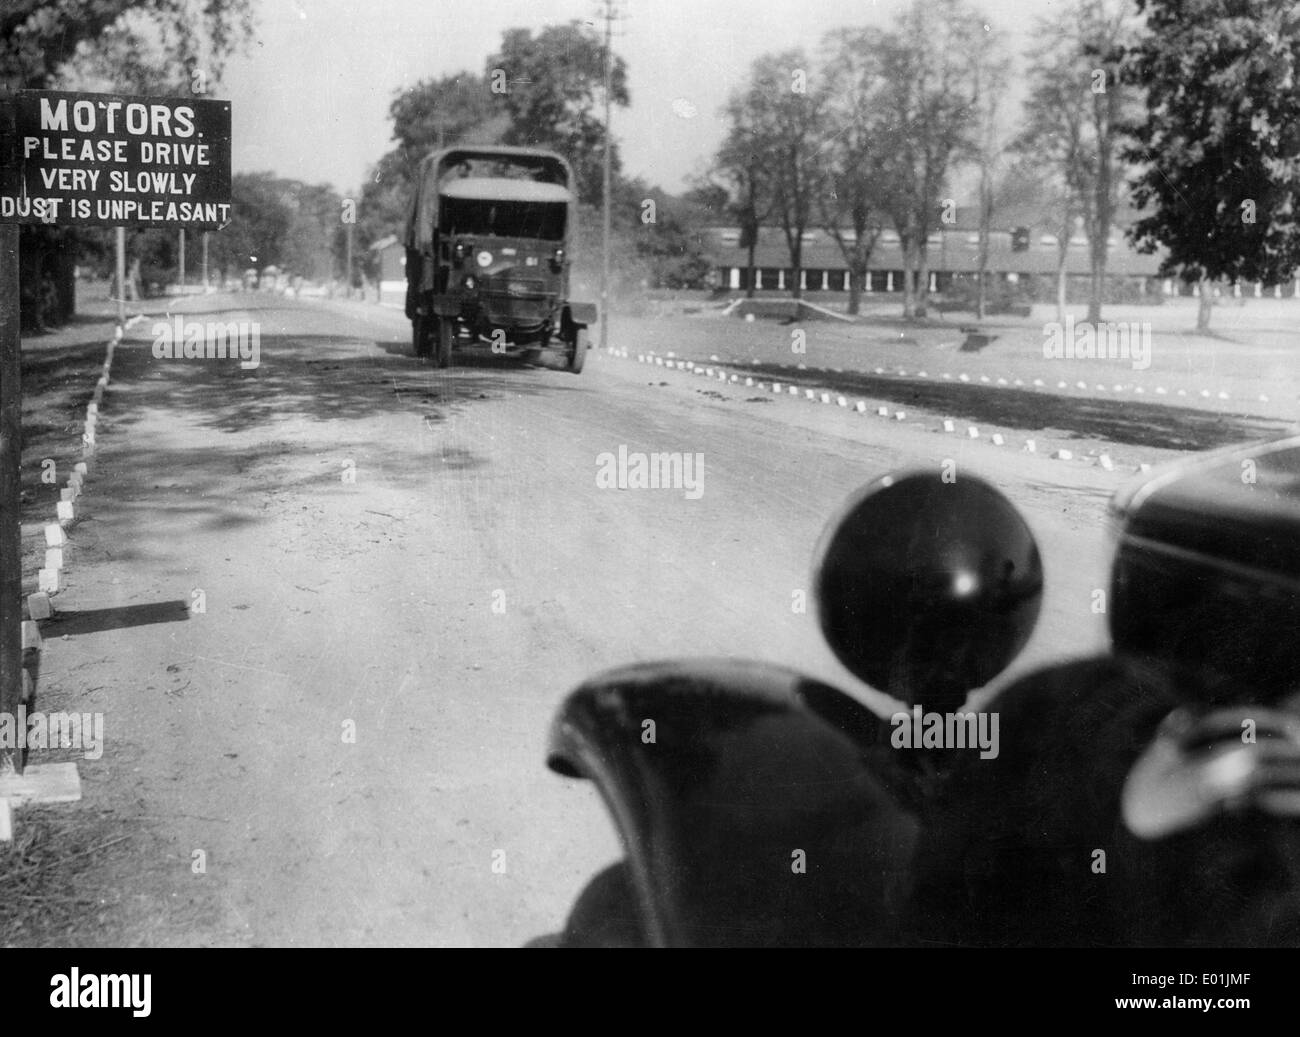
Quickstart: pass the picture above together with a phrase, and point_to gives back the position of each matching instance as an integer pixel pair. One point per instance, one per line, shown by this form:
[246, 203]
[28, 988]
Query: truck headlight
[461, 250]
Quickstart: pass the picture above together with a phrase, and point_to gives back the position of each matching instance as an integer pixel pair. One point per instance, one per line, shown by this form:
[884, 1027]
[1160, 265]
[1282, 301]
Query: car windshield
[504, 219]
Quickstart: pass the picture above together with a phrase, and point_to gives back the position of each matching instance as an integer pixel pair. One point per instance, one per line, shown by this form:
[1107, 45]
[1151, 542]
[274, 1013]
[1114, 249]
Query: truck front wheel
[577, 342]
[446, 336]
[420, 335]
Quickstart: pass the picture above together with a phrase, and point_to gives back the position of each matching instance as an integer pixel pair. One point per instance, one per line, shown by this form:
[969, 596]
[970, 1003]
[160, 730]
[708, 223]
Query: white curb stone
[882, 412]
[31, 634]
[972, 432]
[900, 415]
[861, 406]
[1063, 455]
[54, 558]
[949, 425]
[841, 401]
[47, 580]
[65, 511]
[1031, 447]
[997, 439]
[38, 605]
[54, 536]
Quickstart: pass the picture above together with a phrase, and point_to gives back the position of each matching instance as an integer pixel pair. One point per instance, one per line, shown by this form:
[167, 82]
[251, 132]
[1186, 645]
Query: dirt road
[328, 607]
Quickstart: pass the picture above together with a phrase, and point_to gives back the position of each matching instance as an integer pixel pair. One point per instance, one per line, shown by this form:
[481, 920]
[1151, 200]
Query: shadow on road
[1120, 421]
[322, 377]
[92, 621]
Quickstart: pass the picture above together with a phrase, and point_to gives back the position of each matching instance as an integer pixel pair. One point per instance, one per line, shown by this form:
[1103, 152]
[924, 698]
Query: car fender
[756, 806]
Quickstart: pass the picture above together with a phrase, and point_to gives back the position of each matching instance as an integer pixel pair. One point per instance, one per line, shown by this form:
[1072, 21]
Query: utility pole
[605, 190]
[205, 260]
[182, 256]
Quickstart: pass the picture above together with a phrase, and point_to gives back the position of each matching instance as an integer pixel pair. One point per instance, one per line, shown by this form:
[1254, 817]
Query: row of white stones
[1104, 460]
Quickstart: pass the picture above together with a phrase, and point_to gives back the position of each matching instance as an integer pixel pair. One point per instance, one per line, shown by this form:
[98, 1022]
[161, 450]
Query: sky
[310, 95]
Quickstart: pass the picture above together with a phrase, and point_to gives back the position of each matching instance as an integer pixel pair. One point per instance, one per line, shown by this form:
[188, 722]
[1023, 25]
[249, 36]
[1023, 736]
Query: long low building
[1016, 255]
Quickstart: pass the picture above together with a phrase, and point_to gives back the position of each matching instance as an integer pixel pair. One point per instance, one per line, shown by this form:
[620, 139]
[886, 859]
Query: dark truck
[487, 255]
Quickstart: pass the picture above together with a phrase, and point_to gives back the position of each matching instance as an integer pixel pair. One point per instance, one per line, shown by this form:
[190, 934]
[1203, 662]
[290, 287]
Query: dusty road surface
[328, 607]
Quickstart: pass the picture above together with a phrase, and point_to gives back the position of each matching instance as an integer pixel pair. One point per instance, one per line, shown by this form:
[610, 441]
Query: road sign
[75, 159]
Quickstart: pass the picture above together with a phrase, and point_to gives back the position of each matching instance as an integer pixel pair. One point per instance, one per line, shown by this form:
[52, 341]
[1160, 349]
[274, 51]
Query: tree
[438, 113]
[1101, 29]
[926, 101]
[257, 236]
[1055, 137]
[551, 85]
[779, 119]
[992, 71]
[664, 233]
[1220, 144]
[851, 206]
[39, 37]
[1075, 115]
[742, 165]
[432, 114]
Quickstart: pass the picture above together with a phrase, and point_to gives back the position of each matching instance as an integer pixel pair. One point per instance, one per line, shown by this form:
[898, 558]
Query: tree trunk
[1062, 281]
[749, 271]
[909, 305]
[1206, 305]
[796, 256]
[986, 224]
[922, 278]
[1098, 287]
[857, 280]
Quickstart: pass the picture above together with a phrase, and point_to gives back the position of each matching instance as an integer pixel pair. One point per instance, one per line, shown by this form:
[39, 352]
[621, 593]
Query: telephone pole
[606, 177]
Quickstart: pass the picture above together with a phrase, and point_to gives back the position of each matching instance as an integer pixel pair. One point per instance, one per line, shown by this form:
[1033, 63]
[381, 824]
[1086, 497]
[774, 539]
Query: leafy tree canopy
[1220, 145]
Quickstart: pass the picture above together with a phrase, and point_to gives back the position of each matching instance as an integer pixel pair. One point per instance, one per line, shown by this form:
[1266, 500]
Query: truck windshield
[504, 219]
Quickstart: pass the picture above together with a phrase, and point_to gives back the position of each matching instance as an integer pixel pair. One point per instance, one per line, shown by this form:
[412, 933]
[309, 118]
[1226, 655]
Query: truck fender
[756, 806]
[581, 314]
[445, 305]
